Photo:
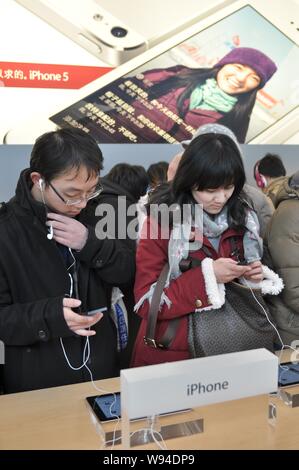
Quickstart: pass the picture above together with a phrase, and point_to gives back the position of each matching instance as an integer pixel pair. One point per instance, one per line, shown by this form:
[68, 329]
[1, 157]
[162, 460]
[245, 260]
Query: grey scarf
[178, 247]
[253, 244]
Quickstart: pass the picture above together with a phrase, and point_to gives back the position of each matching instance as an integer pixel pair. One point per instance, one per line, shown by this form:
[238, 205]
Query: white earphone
[50, 235]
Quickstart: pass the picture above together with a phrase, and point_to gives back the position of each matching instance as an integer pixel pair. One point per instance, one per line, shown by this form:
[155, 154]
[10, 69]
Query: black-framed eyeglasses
[74, 202]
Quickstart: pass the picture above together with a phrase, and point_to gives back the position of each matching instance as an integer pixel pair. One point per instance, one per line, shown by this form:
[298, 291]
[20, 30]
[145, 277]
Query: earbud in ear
[51, 233]
[41, 182]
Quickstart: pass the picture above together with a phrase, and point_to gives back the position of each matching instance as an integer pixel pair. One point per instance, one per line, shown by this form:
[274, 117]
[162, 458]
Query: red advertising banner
[19, 74]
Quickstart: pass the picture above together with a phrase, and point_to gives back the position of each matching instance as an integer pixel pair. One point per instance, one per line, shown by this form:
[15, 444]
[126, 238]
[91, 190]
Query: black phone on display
[288, 374]
[106, 407]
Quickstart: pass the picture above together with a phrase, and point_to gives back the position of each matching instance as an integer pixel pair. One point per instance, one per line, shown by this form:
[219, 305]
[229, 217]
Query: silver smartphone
[117, 30]
[120, 106]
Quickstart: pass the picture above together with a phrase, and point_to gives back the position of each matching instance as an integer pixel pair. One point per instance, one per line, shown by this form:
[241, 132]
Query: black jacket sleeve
[28, 323]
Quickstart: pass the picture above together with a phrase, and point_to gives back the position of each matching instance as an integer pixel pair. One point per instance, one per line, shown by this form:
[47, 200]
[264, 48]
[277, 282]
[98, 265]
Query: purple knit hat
[257, 60]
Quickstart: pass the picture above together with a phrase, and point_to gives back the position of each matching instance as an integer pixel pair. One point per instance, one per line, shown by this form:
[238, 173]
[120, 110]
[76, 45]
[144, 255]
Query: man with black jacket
[123, 186]
[55, 269]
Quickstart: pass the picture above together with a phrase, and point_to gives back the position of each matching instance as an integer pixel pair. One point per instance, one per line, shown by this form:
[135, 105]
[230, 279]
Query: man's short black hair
[56, 152]
[271, 165]
[132, 178]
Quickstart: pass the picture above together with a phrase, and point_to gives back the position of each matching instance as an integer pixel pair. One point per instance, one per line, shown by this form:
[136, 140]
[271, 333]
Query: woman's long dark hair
[209, 162]
[187, 78]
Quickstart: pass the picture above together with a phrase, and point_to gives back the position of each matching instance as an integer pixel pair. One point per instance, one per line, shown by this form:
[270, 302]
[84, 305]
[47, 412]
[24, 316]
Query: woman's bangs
[218, 175]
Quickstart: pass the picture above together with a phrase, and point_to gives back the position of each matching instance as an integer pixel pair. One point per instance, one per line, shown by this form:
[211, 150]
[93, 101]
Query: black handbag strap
[170, 332]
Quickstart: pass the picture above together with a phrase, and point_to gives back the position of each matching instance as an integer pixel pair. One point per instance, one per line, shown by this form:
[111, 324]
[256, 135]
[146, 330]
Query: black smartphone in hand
[96, 310]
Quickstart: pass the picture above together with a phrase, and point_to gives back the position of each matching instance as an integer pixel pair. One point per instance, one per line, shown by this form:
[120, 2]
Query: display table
[59, 418]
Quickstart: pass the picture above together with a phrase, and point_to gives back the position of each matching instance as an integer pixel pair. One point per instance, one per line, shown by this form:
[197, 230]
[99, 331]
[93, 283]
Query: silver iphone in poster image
[112, 108]
[118, 30]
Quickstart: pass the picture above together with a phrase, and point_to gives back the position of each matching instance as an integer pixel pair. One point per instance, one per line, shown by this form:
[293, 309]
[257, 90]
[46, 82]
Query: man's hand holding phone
[79, 324]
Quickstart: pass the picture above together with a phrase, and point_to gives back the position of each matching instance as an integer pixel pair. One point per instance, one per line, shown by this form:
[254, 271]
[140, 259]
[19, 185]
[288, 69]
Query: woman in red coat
[223, 236]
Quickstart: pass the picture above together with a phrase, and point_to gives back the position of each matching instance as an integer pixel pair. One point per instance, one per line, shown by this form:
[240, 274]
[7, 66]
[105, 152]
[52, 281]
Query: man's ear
[35, 177]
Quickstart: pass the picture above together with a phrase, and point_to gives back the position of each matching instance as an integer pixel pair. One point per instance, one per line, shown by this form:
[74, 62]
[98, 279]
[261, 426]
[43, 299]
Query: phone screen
[288, 374]
[132, 109]
[106, 407]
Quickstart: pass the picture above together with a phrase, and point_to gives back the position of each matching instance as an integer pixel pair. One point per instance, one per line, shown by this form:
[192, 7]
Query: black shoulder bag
[242, 323]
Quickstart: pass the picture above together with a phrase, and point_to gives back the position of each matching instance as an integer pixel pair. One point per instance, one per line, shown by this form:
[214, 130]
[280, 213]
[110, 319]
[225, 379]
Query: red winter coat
[186, 293]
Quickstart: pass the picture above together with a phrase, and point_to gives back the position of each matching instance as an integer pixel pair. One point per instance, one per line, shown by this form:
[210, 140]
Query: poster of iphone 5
[238, 67]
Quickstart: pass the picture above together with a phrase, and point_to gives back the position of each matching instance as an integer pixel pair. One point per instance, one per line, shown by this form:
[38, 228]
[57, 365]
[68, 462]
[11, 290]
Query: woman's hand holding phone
[255, 273]
[227, 269]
